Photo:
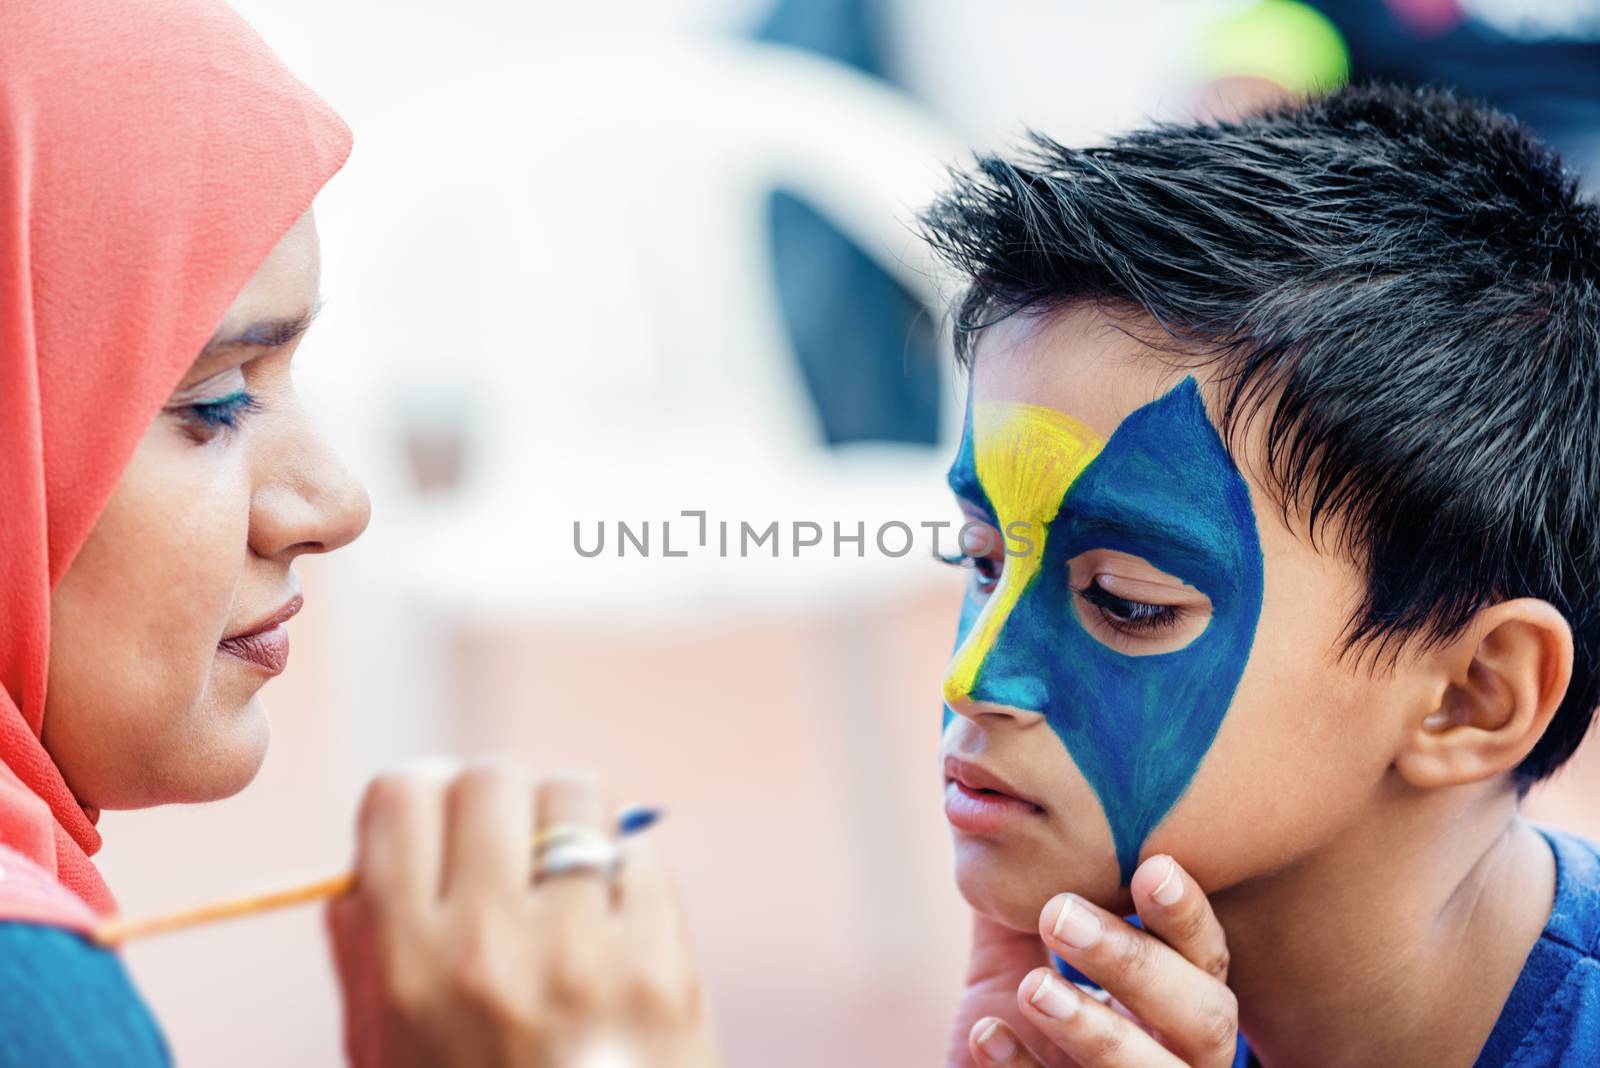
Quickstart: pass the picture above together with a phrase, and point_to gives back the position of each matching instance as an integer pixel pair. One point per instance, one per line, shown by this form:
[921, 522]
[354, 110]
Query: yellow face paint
[1027, 456]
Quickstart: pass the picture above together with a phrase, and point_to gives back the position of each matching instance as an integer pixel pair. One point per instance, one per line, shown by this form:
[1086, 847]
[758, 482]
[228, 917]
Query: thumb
[993, 1042]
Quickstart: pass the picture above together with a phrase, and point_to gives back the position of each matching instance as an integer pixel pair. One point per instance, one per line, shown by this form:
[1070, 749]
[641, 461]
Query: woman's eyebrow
[264, 333]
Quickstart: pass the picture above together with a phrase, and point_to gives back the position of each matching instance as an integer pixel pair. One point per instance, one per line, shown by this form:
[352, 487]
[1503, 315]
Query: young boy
[1282, 458]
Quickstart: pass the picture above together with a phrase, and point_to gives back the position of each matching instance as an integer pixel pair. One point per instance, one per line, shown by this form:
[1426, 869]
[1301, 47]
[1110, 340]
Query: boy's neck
[1397, 943]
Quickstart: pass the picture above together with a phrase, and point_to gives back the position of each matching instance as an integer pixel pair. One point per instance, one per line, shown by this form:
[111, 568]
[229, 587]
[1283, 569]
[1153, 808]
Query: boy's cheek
[1297, 760]
[1309, 735]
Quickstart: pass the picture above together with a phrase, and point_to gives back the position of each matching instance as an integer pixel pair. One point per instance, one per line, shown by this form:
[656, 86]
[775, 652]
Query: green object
[1283, 41]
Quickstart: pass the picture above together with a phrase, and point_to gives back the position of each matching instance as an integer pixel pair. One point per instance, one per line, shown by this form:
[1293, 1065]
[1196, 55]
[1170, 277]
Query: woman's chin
[226, 782]
[214, 750]
[215, 762]
[231, 763]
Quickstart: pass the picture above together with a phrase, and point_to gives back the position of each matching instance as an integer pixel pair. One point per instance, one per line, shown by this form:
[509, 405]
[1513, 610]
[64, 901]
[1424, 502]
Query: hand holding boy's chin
[1162, 994]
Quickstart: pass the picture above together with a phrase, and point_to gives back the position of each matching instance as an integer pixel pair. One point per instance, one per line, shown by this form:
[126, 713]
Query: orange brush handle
[116, 931]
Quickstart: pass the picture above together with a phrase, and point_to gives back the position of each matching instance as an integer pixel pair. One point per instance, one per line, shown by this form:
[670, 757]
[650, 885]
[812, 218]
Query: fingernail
[1053, 999]
[996, 1044]
[1075, 924]
[1170, 889]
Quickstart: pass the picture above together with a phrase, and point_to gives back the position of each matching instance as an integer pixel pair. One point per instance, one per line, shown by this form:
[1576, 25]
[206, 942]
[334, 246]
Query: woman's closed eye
[215, 406]
[225, 411]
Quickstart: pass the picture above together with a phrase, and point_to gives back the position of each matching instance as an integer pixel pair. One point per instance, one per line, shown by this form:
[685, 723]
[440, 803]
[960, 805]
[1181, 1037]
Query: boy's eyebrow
[1147, 523]
[265, 333]
[1139, 522]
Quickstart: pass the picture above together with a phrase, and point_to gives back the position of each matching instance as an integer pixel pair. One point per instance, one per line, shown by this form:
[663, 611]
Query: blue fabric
[1552, 1018]
[68, 1004]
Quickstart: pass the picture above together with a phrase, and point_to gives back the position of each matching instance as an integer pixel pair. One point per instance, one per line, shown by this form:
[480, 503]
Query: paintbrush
[118, 930]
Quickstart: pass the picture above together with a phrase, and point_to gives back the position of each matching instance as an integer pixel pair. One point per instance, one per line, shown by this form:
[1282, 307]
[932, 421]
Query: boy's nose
[988, 675]
[974, 709]
[997, 666]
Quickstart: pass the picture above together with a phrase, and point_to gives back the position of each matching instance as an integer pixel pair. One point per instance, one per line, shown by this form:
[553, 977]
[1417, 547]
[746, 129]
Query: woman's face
[168, 621]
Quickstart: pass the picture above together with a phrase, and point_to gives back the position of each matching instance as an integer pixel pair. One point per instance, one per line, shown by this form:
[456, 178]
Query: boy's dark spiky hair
[1407, 286]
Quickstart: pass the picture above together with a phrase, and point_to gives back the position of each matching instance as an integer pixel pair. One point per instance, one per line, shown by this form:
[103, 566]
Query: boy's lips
[978, 801]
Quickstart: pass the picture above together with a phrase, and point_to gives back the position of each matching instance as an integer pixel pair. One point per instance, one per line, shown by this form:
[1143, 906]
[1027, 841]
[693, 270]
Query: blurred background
[609, 263]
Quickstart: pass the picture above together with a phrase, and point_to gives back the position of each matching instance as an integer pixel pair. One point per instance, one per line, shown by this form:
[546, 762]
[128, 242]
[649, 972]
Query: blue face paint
[1165, 489]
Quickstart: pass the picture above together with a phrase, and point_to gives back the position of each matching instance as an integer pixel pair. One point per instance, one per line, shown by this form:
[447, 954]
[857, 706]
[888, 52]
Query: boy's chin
[1013, 895]
[1010, 898]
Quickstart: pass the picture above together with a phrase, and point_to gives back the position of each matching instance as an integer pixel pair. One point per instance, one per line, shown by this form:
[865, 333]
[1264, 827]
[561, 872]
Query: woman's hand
[1168, 1000]
[449, 953]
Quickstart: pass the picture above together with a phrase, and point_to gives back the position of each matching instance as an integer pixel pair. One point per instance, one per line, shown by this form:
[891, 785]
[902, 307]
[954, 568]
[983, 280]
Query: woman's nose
[312, 504]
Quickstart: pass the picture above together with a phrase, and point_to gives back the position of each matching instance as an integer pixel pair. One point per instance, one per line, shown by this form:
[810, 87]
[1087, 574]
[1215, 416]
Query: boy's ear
[1501, 682]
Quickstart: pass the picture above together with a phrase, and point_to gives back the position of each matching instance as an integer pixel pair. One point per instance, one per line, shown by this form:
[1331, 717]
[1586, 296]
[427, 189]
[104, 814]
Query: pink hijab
[151, 154]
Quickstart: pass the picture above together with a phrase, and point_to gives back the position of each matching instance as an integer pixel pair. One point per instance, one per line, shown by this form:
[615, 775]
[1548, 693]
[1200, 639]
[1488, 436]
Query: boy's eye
[981, 549]
[1130, 616]
[222, 412]
[986, 569]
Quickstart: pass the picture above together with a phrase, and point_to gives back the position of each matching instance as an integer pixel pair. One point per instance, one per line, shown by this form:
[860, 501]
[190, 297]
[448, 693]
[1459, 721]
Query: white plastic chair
[570, 258]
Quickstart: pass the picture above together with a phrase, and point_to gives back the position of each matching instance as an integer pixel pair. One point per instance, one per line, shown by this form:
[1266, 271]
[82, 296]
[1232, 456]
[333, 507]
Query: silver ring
[561, 832]
[587, 853]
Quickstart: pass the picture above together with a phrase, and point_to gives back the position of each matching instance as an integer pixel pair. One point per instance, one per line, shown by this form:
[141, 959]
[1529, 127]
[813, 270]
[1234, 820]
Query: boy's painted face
[1116, 626]
[1134, 685]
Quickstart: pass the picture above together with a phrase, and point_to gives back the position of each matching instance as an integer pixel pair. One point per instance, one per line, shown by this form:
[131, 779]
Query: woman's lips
[980, 811]
[266, 645]
[267, 649]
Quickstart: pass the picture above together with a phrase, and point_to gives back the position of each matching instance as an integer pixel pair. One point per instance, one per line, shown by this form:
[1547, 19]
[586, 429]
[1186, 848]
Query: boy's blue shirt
[1552, 1017]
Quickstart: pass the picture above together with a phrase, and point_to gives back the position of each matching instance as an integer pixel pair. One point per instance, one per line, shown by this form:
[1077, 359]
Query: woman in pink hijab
[158, 480]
